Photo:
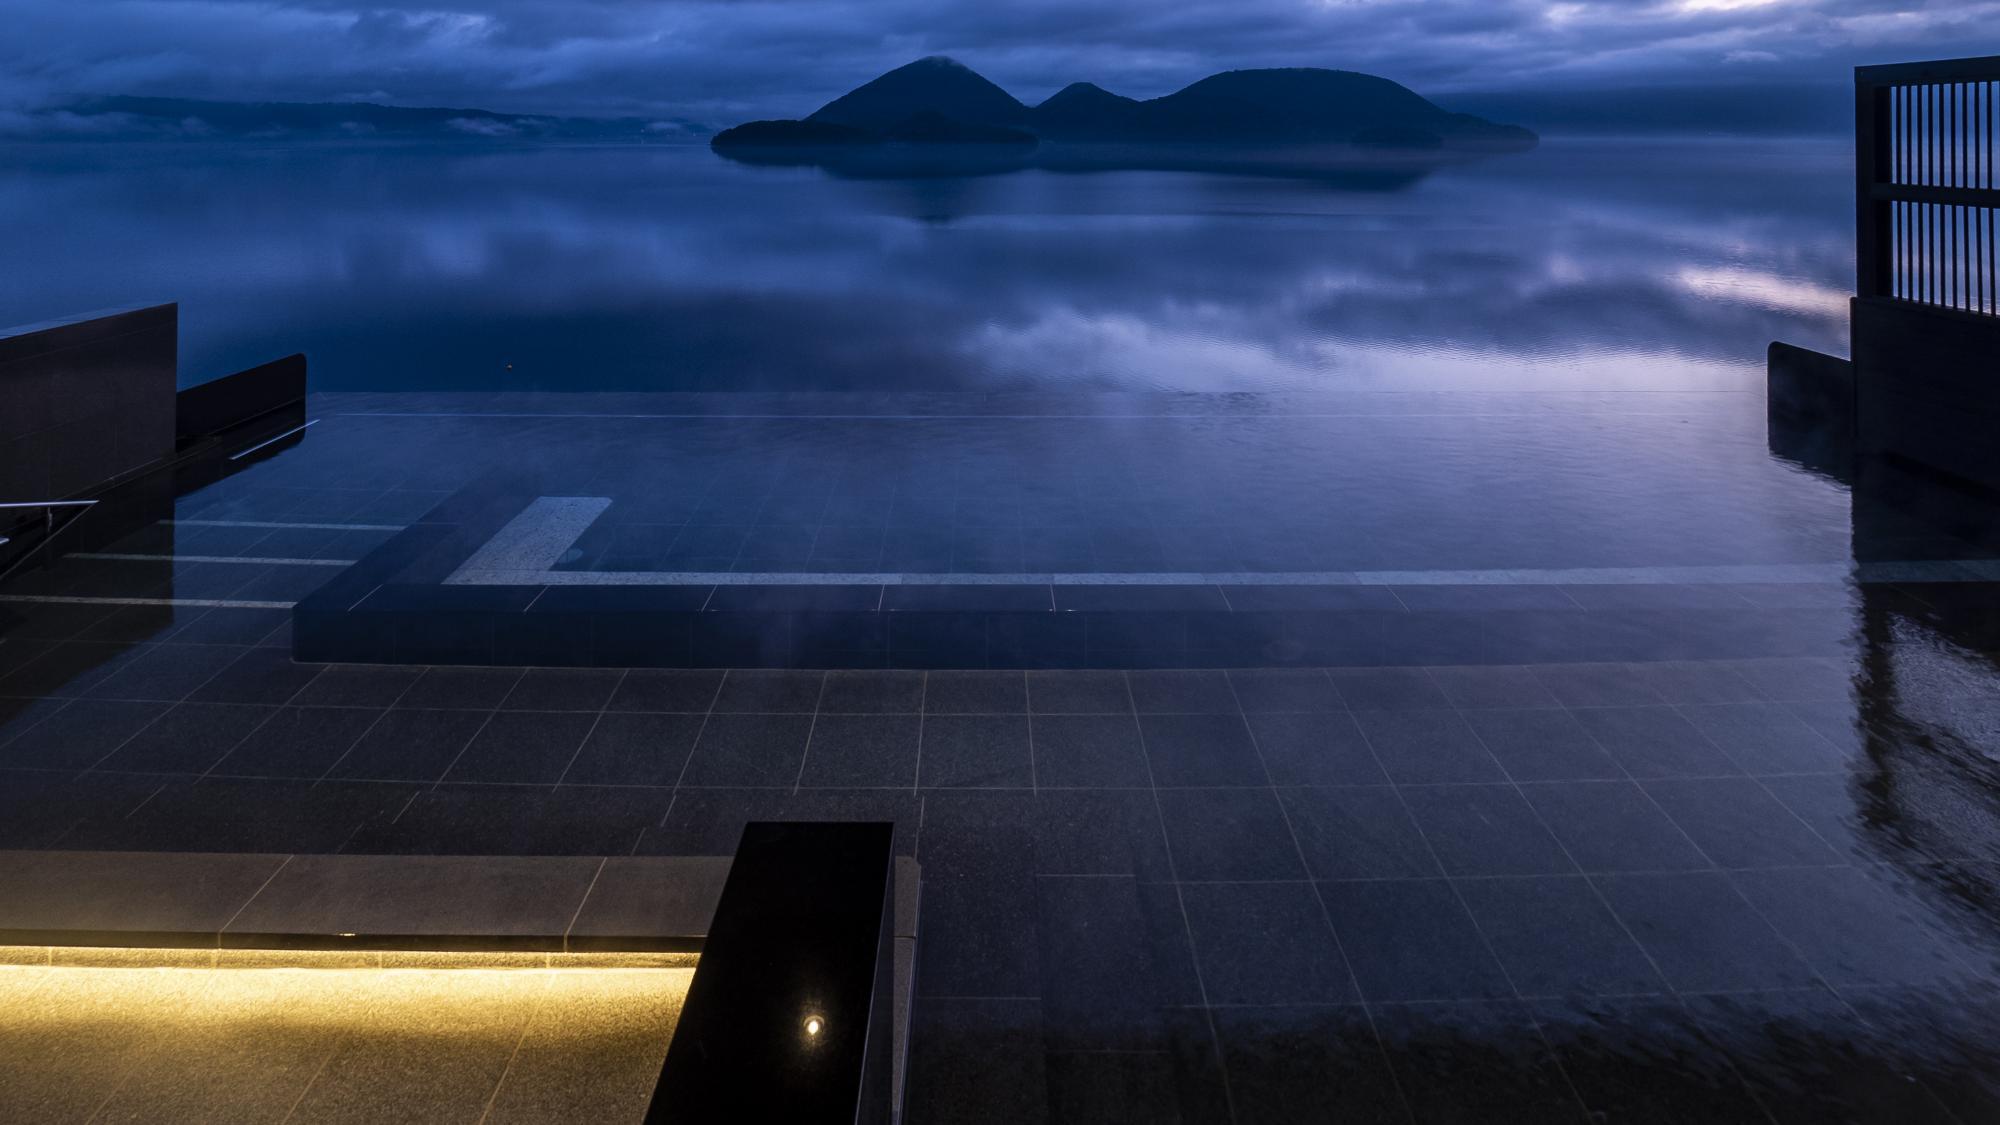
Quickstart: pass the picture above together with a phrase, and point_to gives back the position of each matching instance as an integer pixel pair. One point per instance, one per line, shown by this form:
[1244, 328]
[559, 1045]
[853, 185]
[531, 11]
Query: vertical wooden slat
[1871, 166]
[1927, 181]
[1900, 234]
[1947, 215]
[1961, 148]
[1903, 251]
[1930, 252]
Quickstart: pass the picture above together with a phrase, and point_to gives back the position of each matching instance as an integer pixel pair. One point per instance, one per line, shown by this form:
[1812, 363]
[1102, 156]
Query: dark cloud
[722, 60]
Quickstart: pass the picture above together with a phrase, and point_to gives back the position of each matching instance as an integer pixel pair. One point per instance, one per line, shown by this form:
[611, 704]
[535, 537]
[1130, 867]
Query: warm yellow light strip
[145, 1034]
[149, 957]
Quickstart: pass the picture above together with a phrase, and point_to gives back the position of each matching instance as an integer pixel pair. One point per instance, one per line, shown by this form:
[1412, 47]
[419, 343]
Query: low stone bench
[59, 908]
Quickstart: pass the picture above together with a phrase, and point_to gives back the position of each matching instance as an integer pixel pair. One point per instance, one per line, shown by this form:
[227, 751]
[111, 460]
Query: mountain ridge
[194, 118]
[933, 84]
[1290, 105]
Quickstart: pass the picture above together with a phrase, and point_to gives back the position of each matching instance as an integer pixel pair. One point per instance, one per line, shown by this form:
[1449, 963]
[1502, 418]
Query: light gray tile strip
[273, 441]
[525, 551]
[248, 560]
[283, 524]
[535, 540]
[943, 417]
[1773, 574]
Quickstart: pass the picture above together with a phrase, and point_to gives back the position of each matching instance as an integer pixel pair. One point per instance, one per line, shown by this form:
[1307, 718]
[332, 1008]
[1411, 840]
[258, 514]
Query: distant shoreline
[1355, 167]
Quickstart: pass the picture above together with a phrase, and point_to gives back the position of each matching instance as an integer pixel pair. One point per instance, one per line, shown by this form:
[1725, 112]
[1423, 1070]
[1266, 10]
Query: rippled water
[1609, 264]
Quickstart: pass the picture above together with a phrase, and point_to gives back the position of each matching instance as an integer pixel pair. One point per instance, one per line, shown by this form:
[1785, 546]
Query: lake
[1542, 363]
[1587, 264]
[1499, 700]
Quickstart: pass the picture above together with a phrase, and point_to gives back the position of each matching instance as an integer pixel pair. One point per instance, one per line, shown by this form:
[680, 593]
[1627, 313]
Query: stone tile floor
[1755, 890]
[1666, 891]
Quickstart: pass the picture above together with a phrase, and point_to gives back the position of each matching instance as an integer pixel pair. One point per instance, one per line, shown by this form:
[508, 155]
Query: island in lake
[939, 116]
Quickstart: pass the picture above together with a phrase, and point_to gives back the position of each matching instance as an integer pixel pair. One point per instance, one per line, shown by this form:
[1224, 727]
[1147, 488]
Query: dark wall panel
[1927, 387]
[85, 400]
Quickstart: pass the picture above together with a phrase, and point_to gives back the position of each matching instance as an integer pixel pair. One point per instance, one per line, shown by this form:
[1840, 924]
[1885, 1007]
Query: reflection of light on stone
[166, 1034]
[814, 1025]
[1765, 290]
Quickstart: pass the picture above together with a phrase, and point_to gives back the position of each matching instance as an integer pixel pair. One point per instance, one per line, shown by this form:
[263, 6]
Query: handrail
[1927, 183]
[49, 529]
[1935, 70]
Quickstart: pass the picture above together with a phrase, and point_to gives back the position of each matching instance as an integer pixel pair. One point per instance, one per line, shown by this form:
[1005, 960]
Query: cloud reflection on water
[1604, 265]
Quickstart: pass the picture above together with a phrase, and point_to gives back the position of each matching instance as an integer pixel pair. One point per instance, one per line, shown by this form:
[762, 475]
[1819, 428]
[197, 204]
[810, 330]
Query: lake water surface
[1551, 361]
[1588, 264]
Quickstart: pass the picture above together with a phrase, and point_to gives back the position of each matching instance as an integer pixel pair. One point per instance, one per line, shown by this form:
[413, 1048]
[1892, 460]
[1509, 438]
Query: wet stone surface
[1724, 881]
[1217, 893]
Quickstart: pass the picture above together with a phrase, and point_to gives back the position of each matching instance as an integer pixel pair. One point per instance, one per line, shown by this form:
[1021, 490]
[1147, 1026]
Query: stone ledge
[552, 904]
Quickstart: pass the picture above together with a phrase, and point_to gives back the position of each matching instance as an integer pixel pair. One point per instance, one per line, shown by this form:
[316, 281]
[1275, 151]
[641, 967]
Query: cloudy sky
[725, 60]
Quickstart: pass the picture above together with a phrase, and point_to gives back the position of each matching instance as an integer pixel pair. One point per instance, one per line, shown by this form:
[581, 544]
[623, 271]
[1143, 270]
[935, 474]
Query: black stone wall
[1927, 388]
[85, 401]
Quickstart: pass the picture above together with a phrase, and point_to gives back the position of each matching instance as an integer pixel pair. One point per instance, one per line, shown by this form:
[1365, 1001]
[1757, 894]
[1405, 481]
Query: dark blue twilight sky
[725, 60]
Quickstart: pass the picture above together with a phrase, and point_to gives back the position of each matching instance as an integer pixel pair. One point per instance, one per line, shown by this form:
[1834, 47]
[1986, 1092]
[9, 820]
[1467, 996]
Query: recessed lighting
[814, 1025]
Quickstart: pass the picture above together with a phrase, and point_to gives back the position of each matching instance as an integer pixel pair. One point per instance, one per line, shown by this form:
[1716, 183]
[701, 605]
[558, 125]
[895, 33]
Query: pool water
[1295, 488]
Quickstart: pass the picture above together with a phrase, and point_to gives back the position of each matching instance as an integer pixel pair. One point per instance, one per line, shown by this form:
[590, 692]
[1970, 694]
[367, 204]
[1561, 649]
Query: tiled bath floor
[1719, 891]
[1753, 890]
